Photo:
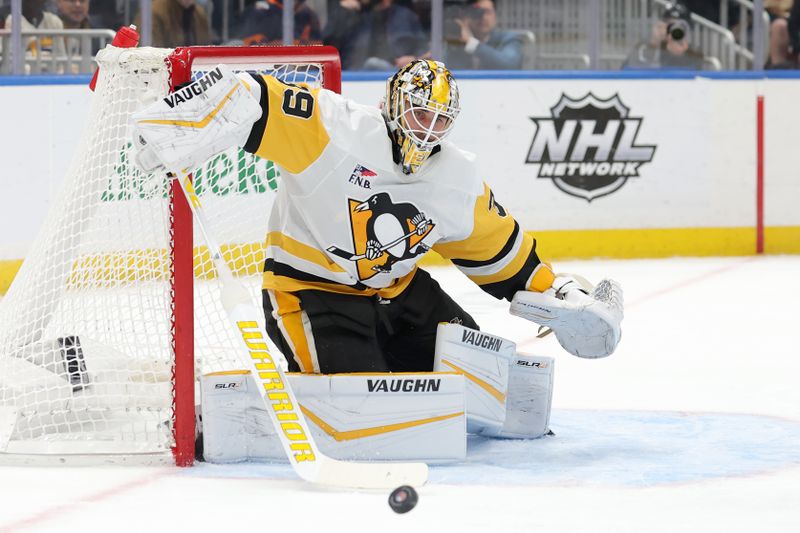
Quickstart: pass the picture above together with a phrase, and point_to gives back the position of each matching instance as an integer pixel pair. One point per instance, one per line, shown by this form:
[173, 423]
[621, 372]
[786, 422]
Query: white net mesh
[85, 334]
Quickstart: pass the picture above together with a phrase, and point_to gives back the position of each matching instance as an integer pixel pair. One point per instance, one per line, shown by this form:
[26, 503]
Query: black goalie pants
[324, 332]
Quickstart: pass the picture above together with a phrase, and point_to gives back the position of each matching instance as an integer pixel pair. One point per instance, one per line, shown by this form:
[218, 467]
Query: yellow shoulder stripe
[290, 140]
[490, 232]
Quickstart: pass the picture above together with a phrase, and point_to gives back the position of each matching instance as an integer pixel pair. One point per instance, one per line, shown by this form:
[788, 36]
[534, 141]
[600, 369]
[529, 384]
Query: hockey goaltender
[388, 365]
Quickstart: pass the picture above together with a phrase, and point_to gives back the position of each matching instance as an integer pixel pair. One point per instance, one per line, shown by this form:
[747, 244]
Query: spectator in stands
[778, 8]
[34, 17]
[74, 14]
[178, 23]
[784, 40]
[773, 8]
[262, 23]
[670, 44]
[473, 40]
[374, 34]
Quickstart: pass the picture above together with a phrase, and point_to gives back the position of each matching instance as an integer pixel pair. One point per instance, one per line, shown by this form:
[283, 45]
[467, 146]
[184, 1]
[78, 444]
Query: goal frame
[181, 270]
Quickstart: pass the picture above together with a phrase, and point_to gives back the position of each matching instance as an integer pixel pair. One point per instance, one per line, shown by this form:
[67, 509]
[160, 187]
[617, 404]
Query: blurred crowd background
[62, 36]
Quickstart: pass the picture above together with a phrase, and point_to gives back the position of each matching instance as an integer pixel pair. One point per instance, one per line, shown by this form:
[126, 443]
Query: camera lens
[678, 30]
[677, 34]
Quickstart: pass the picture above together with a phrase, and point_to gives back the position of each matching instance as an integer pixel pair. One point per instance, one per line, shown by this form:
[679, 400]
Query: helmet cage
[425, 122]
[421, 108]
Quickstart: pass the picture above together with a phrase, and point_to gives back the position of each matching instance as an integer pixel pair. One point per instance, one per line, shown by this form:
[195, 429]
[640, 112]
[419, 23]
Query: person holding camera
[670, 44]
[474, 42]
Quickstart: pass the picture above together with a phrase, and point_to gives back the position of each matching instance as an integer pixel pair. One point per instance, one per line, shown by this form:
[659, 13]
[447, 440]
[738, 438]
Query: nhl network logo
[588, 146]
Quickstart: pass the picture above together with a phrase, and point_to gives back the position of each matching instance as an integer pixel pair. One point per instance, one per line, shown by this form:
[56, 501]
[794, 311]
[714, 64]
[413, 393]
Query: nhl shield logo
[588, 146]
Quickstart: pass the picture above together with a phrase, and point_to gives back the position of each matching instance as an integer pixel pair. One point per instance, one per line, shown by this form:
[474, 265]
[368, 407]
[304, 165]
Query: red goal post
[115, 311]
[183, 66]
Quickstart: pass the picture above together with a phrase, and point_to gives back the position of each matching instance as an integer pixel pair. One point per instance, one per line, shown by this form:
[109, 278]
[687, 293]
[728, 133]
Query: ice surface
[692, 425]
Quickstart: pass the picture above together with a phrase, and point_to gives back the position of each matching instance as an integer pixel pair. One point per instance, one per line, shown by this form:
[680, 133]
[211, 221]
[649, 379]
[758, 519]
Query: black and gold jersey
[346, 219]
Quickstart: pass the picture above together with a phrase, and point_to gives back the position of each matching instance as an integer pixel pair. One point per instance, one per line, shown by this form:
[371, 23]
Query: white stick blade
[345, 474]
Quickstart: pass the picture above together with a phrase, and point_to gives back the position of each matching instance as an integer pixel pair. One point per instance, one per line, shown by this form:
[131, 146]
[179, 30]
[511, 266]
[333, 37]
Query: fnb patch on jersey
[360, 175]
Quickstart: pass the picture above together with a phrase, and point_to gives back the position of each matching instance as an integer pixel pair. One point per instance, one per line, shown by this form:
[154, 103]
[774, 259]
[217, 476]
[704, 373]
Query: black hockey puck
[403, 499]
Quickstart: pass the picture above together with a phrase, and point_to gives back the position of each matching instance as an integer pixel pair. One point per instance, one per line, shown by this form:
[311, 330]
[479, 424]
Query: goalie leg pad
[483, 360]
[507, 394]
[530, 394]
[386, 417]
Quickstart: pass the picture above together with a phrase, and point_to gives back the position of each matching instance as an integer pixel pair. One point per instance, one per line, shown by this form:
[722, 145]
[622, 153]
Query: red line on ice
[57, 511]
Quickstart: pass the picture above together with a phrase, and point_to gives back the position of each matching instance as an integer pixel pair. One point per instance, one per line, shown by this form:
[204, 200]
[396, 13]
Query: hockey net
[115, 310]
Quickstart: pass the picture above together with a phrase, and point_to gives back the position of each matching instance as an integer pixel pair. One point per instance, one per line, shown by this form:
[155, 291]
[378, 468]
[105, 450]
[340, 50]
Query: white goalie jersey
[347, 220]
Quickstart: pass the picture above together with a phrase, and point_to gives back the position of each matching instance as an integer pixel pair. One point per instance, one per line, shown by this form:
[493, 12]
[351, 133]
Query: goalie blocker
[204, 118]
[480, 386]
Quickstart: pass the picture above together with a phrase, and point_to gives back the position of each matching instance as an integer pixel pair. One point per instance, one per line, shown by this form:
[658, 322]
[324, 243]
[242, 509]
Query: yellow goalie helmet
[420, 109]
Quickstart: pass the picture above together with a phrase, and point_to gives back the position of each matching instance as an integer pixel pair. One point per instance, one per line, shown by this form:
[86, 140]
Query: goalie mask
[420, 109]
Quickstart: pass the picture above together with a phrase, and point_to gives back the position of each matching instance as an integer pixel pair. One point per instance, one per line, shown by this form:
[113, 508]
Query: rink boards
[593, 164]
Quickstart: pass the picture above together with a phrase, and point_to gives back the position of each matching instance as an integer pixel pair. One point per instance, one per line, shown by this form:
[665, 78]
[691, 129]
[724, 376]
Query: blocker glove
[187, 127]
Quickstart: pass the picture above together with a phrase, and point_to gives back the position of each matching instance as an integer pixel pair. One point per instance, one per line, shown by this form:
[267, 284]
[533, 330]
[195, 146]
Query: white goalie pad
[483, 360]
[363, 417]
[586, 325]
[190, 125]
[530, 396]
[507, 394]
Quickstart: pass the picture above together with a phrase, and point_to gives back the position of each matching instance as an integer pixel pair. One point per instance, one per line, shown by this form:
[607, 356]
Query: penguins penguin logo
[384, 233]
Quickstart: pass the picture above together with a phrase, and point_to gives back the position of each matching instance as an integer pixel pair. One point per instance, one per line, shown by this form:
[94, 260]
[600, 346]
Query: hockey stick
[279, 399]
[355, 257]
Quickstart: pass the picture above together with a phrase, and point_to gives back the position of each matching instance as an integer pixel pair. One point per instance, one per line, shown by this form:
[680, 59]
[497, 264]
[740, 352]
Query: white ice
[692, 425]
